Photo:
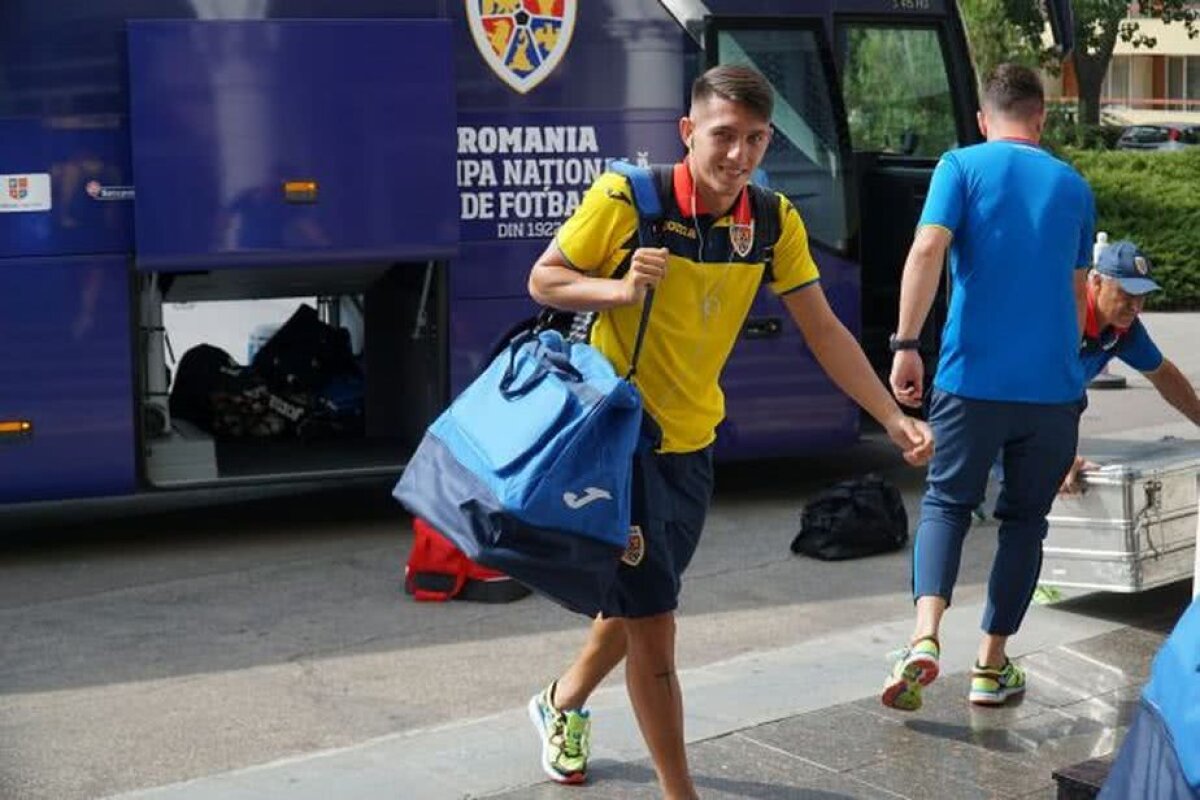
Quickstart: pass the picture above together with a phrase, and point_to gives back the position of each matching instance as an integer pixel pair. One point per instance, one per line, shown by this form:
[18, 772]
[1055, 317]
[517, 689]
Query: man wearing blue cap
[1116, 290]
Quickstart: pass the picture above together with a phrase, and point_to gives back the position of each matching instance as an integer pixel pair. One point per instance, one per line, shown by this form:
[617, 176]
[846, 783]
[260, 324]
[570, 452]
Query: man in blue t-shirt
[1017, 224]
[1116, 290]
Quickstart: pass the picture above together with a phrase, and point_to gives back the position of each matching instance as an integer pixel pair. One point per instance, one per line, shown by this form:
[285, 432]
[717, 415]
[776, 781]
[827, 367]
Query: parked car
[1160, 136]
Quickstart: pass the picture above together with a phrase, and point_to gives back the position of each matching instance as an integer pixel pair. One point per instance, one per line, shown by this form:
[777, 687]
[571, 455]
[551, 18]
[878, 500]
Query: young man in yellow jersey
[705, 279]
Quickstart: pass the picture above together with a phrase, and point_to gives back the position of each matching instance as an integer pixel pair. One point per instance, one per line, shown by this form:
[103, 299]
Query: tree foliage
[1098, 26]
[1012, 30]
[1149, 197]
[1004, 31]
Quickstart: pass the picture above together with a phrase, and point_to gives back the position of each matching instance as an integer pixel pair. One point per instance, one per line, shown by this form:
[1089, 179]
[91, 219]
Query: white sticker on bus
[27, 192]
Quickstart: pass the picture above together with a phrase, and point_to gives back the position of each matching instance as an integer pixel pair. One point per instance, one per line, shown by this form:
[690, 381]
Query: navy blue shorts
[671, 493]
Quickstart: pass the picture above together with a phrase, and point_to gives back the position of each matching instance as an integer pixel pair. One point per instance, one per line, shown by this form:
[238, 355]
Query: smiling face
[727, 140]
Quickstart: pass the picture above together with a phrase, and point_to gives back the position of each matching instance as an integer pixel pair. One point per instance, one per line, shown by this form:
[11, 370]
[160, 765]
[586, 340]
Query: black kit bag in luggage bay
[309, 365]
[218, 395]
[305, 354]
[852, 519]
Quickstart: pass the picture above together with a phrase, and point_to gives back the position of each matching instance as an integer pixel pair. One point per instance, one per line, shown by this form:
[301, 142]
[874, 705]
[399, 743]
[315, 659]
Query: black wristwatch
[896, 345]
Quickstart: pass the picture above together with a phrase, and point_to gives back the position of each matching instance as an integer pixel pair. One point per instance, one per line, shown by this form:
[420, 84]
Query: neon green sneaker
[994, 687]
[565, 738]
[914, 667]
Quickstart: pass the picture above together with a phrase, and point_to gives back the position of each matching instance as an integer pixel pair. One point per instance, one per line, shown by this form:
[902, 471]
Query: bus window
[805, 160]
[897, 91]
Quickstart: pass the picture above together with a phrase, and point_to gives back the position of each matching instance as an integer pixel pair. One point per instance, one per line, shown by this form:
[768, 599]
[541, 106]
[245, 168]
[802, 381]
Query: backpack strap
[663, 181]
[648, 203]
[765, 205]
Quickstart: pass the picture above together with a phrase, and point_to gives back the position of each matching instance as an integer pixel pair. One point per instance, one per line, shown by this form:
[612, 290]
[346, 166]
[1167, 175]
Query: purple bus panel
[86, 175]
[68, 371]
[287, 142]
[778, 400]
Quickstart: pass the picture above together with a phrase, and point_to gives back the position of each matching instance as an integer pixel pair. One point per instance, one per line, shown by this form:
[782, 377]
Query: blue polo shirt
[1133, 346]
[1022, 223]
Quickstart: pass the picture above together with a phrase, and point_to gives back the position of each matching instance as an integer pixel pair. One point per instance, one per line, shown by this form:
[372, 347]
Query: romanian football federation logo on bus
[18, 188]
[522, 40]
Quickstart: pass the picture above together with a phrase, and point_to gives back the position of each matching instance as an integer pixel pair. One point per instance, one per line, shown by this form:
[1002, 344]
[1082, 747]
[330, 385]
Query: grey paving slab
[1055, 739]
[931, 767]
[839, 738]
[1125, 654]
[1060, 677]
[739, 766]
[1116, 709]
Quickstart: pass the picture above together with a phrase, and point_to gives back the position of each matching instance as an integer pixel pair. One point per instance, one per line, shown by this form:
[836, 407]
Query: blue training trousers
[1036, 442]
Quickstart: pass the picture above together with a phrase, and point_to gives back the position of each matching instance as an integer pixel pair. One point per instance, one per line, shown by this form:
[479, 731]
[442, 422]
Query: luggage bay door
[289, 142]
[778, 399]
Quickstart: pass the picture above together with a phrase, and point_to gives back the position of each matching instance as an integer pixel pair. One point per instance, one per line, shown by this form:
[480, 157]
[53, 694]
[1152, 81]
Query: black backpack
[203, 371]
[851, 519]
[305, 354]
[218, 395]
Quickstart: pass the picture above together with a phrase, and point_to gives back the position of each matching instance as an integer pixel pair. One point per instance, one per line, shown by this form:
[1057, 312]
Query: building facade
[1144, 85]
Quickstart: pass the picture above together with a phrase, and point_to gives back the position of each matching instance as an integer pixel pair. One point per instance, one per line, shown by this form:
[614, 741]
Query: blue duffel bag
[529, 471]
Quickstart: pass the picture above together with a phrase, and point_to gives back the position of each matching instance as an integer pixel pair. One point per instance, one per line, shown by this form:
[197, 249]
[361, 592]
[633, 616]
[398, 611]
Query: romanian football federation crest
[741, 238]
[18, 188]
[522, 40]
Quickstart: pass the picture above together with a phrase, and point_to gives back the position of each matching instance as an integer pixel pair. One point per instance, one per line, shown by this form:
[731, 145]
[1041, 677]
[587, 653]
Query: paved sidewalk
[799, 722]
[1081, 701]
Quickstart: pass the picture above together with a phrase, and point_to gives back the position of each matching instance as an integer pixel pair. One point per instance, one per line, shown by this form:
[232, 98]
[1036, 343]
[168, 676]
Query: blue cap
[1126, 264]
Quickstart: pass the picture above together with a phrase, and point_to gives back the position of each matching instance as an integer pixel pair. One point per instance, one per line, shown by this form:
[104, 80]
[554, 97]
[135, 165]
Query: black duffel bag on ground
[851, 519]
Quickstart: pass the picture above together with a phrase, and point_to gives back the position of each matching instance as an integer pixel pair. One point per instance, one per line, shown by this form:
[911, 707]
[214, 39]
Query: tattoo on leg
[668, 679]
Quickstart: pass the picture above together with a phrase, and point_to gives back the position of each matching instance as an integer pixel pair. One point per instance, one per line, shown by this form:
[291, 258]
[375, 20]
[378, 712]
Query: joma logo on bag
[590, 494]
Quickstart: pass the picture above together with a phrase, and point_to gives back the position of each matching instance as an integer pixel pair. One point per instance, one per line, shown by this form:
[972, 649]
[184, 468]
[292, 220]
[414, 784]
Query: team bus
[388, 170]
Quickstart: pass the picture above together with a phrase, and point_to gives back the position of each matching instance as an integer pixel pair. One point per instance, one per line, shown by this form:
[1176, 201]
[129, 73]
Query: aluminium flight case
[1134, 525]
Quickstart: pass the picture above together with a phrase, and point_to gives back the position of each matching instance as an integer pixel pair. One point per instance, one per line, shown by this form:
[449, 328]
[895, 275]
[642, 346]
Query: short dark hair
[738, 83]
[1014, 91]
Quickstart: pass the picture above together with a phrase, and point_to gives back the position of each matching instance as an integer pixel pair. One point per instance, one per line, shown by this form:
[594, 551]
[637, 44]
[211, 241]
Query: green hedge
[1153, 199]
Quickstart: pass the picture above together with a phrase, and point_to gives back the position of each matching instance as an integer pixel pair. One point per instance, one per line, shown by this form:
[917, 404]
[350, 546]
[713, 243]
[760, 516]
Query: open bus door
[910, 96]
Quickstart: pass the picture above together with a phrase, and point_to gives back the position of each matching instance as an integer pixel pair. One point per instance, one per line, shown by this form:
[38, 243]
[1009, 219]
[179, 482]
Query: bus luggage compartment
[343, 387]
